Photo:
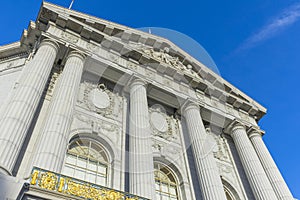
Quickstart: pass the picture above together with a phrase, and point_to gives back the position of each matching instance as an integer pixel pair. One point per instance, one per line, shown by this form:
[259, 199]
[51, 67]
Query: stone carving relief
[53, 80]
[70, 37]
[171, 151]
[165, 57]
[244, 116]
[99, 99]
[200, 97]
[131, 65]
[219, 150]
[11, 64]
[107, 128]
[96, 125]
[162, 125]
[92, 47]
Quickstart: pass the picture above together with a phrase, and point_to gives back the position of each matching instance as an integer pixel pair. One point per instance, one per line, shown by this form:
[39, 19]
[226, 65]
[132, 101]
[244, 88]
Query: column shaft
[255, 173]
[17, 116]
[281, 189]
[54, 139]
[207, 170]
[141, 158]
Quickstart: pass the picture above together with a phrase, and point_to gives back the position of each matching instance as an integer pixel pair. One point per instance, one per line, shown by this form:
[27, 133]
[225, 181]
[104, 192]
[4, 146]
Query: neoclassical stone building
[96, 110]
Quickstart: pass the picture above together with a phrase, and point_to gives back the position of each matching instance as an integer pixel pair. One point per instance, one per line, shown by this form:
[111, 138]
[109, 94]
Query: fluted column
[208, 173]
[17, 116]
[281, 189]
[140, 158]
[54, 139]
[255, 173]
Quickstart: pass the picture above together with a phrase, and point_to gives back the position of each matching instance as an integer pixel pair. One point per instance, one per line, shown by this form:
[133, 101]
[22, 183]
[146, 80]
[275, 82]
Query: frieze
[70, 37]
[132, 66]
[92, 47]
[244, 116]
[200, 97]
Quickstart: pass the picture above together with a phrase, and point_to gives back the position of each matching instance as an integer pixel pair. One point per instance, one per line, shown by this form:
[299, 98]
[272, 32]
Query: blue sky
[255, 45]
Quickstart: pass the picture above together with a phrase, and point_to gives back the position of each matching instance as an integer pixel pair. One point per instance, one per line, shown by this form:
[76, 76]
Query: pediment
[147, 49]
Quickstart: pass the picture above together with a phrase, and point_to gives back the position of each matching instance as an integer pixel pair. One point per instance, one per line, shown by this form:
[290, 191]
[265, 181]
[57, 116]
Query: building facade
[95, 110]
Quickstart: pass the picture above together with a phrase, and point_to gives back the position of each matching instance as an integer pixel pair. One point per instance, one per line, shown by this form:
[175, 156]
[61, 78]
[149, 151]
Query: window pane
[91, 177]
[81, 162]
[101, 180]
[165, 197]
[102, 169]
[71, 159]
[157, 187]
[164, 188]
[172, 190]
[68, 171]
[79, 174]
[92, 166]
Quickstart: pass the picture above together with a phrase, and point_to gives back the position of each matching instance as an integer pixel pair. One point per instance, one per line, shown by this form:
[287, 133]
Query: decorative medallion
[161, 124]
[98, 98]
[159, 121]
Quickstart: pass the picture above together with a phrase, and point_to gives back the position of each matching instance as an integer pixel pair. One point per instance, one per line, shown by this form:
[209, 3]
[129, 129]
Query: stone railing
[70, 186]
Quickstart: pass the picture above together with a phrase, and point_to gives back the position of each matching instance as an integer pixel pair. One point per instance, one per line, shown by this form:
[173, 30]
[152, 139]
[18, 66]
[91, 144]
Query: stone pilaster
[281, 189]
[17, 116]
[207, 170]
[55, 133]
[141, 166]
[255, 173]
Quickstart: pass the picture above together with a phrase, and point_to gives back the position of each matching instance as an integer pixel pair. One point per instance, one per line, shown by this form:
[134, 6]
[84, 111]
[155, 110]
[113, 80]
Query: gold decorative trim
[70, 186]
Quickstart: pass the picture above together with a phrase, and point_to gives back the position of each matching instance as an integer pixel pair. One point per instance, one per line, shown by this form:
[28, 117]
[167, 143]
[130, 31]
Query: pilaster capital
[50, 42]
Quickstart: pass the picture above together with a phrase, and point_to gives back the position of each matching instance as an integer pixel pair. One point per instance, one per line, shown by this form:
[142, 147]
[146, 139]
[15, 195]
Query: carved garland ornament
[219, 151]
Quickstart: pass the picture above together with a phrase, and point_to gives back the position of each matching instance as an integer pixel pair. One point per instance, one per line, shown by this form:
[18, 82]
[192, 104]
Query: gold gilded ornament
[48, 181]
[34, 177]
[61, 184]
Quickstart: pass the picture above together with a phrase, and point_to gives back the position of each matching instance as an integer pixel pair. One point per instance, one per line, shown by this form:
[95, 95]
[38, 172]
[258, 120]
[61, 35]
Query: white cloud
[286, 18]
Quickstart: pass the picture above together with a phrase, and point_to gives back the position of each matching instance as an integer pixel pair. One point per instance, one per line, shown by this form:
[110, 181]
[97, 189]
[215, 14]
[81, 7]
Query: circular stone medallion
[159, 121]
[99, 98]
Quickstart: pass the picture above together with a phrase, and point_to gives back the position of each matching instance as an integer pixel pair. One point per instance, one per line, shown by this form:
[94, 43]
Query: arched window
[230, 192]
[228, 195]
[166, 186]
[86, 160]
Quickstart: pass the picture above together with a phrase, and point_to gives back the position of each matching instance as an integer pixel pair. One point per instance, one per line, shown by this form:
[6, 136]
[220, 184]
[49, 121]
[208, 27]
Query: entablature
[170, 70]
[166, 84]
